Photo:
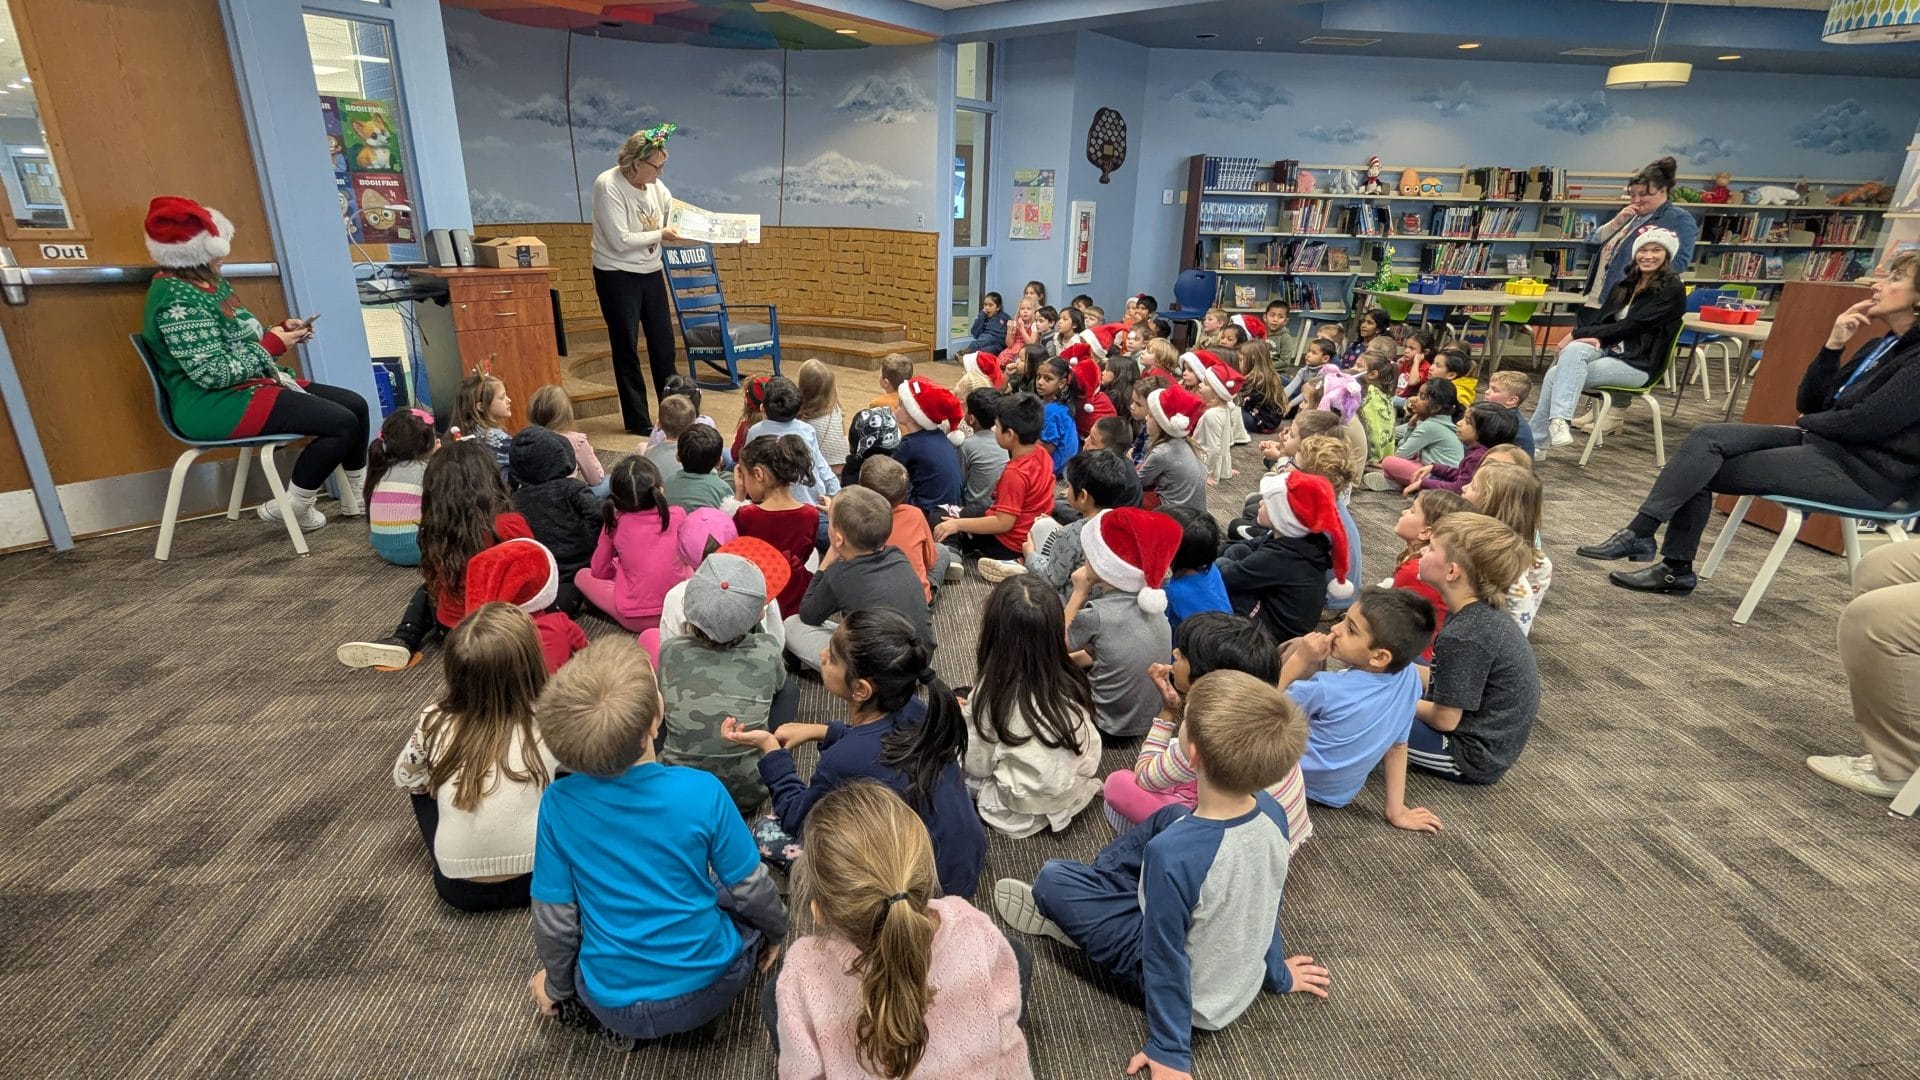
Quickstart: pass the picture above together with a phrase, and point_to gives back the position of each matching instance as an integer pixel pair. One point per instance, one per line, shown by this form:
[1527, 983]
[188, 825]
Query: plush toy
[1304, 183]
[1686, 195]
[1430, 186]
[1339, 392]
[1772, 195]
[1374, 185]
[1871, 193]
[1344, 182]
[1719, 192]
[1409, 182]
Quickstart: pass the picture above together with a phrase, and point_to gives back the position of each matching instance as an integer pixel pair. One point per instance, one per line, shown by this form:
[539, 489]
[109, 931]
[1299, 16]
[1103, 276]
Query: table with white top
[1498, 300]
[1748, 335]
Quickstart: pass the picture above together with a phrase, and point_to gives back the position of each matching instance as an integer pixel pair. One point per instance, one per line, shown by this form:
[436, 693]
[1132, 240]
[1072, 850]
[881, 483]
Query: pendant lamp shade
[1870, 22]
[1650, 75]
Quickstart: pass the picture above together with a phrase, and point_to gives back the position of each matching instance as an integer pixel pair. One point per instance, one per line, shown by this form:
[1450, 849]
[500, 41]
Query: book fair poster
[1032, 205]
[363, 141]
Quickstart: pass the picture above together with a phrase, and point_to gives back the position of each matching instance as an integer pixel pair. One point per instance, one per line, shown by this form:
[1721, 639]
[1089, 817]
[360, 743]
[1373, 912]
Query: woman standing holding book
[630, 207]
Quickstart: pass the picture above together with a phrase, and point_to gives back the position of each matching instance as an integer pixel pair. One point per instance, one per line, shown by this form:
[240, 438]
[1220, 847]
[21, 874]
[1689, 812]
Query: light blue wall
[1035, 132]
[1107, 74]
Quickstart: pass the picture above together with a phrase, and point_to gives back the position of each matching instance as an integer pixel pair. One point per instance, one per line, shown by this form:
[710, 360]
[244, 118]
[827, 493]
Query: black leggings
[633, 304]
[459, 893]
[1741, 459]
[337, 420]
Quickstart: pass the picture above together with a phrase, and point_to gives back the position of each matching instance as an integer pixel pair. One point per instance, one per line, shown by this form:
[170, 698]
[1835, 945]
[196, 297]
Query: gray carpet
[206, 870]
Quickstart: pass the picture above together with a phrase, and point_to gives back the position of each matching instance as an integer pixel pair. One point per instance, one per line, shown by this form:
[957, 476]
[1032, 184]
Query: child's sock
[356, 506]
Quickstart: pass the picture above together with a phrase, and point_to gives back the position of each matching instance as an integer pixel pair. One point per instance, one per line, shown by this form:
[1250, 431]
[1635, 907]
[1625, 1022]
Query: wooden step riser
[599, 368]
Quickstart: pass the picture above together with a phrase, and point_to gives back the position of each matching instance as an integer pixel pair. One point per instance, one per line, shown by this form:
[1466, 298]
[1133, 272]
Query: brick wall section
[864, 273]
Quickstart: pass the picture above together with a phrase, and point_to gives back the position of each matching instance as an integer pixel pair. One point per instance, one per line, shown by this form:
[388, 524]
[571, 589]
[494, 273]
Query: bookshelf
[1490, 224]
[1902, 231]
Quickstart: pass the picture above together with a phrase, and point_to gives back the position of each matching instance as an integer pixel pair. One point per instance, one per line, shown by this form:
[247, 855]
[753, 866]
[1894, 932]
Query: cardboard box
[510, 252]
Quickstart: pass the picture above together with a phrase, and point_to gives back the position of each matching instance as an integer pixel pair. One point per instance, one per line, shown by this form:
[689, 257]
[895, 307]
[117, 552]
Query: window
[354, 69]
[969, 285]
[973, 72]
[27, 171]
[970, 177]
[973, 90]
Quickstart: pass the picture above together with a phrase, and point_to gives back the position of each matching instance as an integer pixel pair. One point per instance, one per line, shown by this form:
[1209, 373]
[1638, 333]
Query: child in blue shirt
[989, 330]
[1360, 716]
[1186, 905]
[1195, 585]
[781, 403]
[930, 420]
[651, 909]
[1052, 381]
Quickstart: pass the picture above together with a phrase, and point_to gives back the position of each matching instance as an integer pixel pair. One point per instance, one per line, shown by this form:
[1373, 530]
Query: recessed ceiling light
[1468, 45]
[322, 69]
[1729, 56]
[1205, 37]
[847, 30]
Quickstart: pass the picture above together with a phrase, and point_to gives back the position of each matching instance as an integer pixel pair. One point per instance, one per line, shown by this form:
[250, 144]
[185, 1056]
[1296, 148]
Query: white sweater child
[495, 839]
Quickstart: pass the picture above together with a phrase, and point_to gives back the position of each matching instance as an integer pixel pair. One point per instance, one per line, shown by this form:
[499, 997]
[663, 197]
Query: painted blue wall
[1107, 73]
[1034, 131]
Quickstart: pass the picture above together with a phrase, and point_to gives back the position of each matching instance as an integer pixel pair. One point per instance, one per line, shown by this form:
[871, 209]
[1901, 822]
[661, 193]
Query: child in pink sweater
[637, 559]
[869, 882]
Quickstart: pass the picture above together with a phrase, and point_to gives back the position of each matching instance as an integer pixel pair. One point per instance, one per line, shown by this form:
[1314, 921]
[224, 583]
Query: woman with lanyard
[630, 206]
[1856, 442]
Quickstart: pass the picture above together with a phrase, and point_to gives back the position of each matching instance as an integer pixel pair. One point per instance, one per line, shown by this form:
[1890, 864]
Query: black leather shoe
[1658, 578]
[1624, 544]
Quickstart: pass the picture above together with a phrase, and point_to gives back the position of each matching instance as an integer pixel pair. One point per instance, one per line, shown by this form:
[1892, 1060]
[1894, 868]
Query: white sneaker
[1013, 898]
[956, 571]
[303, 511]
[1855, 773]
[1376, 481]
[1558, 433]
[1000, 569]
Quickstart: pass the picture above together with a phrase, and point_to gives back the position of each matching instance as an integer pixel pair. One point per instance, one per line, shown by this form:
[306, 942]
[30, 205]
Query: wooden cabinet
[503, 324]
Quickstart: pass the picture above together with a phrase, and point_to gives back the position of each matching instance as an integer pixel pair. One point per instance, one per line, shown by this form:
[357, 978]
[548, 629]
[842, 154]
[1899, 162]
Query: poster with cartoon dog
[371, 136]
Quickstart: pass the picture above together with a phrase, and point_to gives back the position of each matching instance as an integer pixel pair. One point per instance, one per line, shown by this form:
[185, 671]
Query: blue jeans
[648, 1020]
[1580, 366]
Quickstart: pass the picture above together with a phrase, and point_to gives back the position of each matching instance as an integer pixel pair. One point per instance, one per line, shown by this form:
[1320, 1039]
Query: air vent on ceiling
[1348, 42]
[1592, 51]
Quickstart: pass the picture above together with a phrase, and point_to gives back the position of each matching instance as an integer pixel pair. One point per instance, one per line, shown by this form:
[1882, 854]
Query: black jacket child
[563, 511]
[1645, 331]
[1279, 580]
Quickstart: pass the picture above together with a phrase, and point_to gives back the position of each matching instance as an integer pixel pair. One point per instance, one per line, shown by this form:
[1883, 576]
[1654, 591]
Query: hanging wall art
[1107, 142]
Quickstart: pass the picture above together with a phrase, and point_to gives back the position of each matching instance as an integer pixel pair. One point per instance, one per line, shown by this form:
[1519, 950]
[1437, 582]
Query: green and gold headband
[655, 138]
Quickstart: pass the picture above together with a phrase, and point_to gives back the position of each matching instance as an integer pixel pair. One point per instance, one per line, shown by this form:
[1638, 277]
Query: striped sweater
[1163, 766]
[393, 513]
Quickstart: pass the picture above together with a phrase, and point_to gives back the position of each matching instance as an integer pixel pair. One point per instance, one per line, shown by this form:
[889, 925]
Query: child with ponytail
[635, 561]
[1053, 384]
[396, 467]
[856, 996]
[876, 663]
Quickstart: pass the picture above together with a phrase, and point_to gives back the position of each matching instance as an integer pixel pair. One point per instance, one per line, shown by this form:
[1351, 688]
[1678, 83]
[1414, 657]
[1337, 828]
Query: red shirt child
[791, 532]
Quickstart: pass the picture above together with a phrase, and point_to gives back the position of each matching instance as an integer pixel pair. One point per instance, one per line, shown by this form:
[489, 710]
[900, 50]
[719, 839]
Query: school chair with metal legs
[1797, 511]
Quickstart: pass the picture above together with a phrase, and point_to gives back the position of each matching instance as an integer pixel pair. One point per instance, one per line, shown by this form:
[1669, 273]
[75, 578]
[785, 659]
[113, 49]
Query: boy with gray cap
[725, 665]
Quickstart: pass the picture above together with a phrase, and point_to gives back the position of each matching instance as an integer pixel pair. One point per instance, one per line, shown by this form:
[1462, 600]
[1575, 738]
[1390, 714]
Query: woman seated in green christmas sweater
[217, 362]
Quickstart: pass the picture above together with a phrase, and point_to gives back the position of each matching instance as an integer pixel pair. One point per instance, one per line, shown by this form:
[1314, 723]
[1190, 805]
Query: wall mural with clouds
[1341, 109]
[858, 129]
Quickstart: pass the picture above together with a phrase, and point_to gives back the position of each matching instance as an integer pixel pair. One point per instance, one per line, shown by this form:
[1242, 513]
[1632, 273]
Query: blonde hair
[1492, 555]
[1511, 496]
[896, 369]
[1255, 360]
[1249, 734]
[1220, 311]
[1436, 504]
[1381, 347]
[494, 670]
[1162, 353]
[1326, 455]
[1517, 383]
[885, 476]
[1507, 454]
[599, 711]
[551, 408]
[473, 405]
[637, 146]
[867, 876]
[819, 390]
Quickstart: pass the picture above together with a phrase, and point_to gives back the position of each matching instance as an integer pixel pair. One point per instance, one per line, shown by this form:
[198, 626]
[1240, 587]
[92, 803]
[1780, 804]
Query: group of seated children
[1121, 613]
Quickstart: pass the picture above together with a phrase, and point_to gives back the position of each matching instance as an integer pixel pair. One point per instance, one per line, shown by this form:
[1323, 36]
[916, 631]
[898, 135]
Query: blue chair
[1692, 341]
[1193, 293]
[713, 335]
[1891, 519]
[1353, 561]
[176, 484]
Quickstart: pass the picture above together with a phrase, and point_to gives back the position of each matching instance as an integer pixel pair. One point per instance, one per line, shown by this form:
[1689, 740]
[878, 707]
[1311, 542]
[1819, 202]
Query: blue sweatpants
[1098, 905]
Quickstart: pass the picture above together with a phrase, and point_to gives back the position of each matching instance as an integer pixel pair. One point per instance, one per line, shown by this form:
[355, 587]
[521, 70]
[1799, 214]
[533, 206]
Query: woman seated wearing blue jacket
[1856, 443]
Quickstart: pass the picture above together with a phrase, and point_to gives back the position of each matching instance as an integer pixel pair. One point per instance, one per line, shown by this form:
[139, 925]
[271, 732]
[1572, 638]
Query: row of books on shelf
[1235, 173]
[1843, 229]
[1293, 256]
[1751, 266]
[1218, 216]
[1561, 262]
[1499, 182]
[1452, 258]
[1832, 266]
[1568, 224]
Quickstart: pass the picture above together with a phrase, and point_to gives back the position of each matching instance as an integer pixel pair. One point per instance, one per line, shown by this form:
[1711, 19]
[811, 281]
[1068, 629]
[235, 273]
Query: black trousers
[460, 893]
[635, 304]
[1743, 459]
[337, 420]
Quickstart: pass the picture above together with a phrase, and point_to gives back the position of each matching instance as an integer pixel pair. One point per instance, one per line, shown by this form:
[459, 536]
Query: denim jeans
[1579, 367]
[648, 1020]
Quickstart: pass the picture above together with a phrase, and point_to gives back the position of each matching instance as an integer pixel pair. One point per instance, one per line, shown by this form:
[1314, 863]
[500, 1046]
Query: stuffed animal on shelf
[1871, 193]
[1719, 192]
[1430, 186]
[1344, 182]
[1772, 195]
[1304, 183]
[1374, 185]
[1409, 182]
[1686, 195]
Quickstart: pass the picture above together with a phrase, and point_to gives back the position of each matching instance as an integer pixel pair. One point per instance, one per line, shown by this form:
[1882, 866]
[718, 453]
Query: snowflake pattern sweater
[215, 359]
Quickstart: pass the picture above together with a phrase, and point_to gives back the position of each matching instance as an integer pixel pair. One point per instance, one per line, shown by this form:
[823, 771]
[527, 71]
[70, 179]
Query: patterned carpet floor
[207, 871]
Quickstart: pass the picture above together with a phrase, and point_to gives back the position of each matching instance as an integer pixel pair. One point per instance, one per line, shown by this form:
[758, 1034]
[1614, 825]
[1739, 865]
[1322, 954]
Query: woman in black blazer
[1856, 443]
[1621, 343]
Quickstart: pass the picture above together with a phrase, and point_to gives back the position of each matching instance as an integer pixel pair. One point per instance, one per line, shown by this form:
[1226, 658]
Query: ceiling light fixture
[1729, 56]
[26, 78]
[1468, 45]
[847, 30]
[1870, 22]
[1650, 74]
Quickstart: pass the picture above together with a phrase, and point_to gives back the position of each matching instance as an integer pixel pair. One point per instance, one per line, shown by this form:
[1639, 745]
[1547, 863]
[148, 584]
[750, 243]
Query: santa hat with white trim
[934, 408]
[1132, 550]
[1086, 376]
[1300, 503]
[1100, 338]
[1199, 360]
[521, 572]
[1176, 410]
[1251, 325]
[181, 233]
[1075, 351]
[1224, 381]
[984, 365]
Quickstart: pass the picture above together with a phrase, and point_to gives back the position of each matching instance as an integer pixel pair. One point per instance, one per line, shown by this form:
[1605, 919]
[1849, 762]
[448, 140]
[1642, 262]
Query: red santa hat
[1254, 328]
[933, 407]
[1300, 503]
[1076, 351]
[1132, 550]
[520, 572]
[1086, 376]
[984, 365]
[1199, 360]
[1224, 381]
[1100, 338]
[1176, 410]
[181, 233]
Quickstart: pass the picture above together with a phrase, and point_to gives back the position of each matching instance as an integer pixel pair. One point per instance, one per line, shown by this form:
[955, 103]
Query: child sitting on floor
[1511, 495]
[1263, 396]
[1484, 691]
[1096, 481]
[1281, 578]
[1187, 905]
[697, 485]
[885, 943]
[396, 466]
[1430, 436]
[475, 766]
[1053, 385]
[1033, 758]
[1359, 716]
[551, 408]
[876, 664]
[524, 573]
[860, 571]
[753, 401]
[1116, 615]
[562, 510]
[910, 535]
[480, 408]
[783, 418]
[1023, 492]
[930, 421]
[764, 479]
[654, 928]
[1162, 773]
[820, 408]
[1376, 414]
[1454, 363]
[1509, 389]
[634, 561]
[894, 370]
[1172, 473]
[1194, 585]
[1091, 403]
[982, 458]
[988, 332]
[1483, 427]
[1415, 528]
[682, 386]
[982, 372]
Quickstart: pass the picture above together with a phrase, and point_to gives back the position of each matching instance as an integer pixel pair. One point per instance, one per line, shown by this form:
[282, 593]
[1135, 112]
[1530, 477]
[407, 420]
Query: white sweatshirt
[496, 838]
[627, 223]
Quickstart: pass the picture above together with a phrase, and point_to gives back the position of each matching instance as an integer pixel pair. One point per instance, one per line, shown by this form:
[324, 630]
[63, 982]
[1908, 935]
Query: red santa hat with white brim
[1132, 550]
[1086, 377]
[933, 407]
[181, 233]
[1300, 503]
[1254, 328]
[984, 365]
[521, 572]
[1075, 351]
[1223, 381]
[1100, 338]
[1176, 410]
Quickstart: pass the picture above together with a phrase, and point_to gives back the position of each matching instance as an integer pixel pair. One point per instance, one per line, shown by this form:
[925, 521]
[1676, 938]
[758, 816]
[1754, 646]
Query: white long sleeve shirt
[628, 222]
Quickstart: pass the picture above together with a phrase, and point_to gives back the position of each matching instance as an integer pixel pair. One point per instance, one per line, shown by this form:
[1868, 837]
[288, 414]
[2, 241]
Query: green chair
[1612, 397]
[1516, 315]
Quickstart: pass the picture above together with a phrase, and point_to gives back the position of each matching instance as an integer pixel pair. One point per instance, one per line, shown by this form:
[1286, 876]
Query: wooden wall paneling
[13, 467]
